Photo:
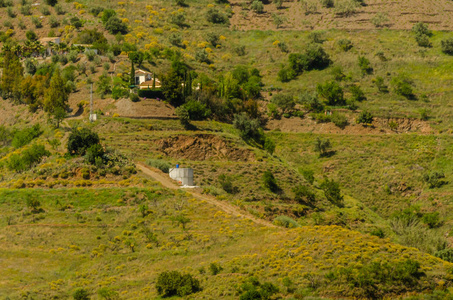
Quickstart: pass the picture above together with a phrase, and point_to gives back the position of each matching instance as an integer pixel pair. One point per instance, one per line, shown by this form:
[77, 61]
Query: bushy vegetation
[160, 164]
[27, 158]
[80, 140]
[173, 283]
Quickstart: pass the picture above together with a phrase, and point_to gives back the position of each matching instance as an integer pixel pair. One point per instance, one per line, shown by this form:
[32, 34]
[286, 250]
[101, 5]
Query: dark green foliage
[422, 34]
[178, 19]
[80, 140]
[432, 219]
[378, 232]
[332, 92]
[337, 73]
[27, 158]
[332, 192]
[309, 176]
[283, 101]
[446, 254]
[5, 135]
[76, 22]
[314, 58]
[345, 44]
[303, 194]
[95, 154]
[328, 3]
[197, 110]
[434, 179]
[34, 204]
[257, 6]
[270, 182]
[31, 35]
[365, 66]
[171, 88]
[90, 36]
[269, 145]
[356, 93]
[380, 84]
[286, 74]
[402, 85]
[81, 294]
[95, 11]
[365, 117]
[134, 97]
[286, 222]
[447, 46]
[215, 268]
[26, 135]
[114, 25]
[51, 2]
[160, 164]
[107, 14]
[310, 102]
[339, 119]
[372, 279]
[215, 16]
[173, 283]
[252, 289]
[322, 146]
[227, 184]
[248, 127]
[183, 115]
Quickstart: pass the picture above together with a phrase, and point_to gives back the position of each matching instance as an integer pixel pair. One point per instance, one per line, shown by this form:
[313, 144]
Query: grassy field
[100, 239]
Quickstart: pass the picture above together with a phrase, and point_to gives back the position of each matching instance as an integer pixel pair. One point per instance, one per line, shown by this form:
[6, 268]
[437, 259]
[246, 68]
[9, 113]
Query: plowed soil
[203, 147]
[401, 15]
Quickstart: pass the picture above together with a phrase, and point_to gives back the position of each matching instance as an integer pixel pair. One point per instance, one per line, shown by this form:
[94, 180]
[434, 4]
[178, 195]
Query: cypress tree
[132, 73]
[56, 97]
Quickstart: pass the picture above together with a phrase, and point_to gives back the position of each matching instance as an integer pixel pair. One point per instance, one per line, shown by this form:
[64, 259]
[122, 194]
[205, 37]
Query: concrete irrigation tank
[183, 175]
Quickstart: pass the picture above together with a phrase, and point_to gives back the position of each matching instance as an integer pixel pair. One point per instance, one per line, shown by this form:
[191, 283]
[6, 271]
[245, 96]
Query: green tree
[13, 74]
[171, 88]
[270, 182]
[51, 2]
[322, 146]
[104, 85]
[332, 92]
[284, 101]
[332, 192]
[81, 294]
[56, 96]
[80, 140]
[173, 283]
[114, 25]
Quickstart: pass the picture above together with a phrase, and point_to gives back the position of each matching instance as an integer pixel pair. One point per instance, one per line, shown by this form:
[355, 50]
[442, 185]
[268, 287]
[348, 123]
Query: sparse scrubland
[318, 131]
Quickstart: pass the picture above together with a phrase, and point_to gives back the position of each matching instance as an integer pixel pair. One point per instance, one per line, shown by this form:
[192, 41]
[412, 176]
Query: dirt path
[226, 207]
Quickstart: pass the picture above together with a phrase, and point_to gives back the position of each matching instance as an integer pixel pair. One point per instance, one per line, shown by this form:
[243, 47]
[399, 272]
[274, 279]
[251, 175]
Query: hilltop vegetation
[321, 152]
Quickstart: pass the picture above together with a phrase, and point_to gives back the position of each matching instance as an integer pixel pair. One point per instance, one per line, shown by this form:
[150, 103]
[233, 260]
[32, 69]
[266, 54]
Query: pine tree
[56, 97]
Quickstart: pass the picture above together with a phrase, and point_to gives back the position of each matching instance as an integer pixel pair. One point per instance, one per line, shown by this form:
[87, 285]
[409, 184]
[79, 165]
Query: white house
[145, 80]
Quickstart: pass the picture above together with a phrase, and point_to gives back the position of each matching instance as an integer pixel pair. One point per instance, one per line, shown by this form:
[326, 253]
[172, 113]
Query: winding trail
[226, 207]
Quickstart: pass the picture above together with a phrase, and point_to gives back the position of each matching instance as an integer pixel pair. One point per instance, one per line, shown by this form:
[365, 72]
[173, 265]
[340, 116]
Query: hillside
[318, 131]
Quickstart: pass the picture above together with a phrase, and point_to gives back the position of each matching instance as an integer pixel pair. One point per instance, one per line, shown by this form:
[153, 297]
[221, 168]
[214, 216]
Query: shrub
[447, 46]
[322, 146]
[257, 6]
[332, 192]
[345, 44]
[216, 17]
[248, 127]
[446, 254]
[310, 102]
[10, 12]
[134, 97]
[252, 289]
[365, 117]
[434, 179]
[302, 194]
[94, 154]
[327, 3]
[432, 219]
[227, 184]
[365, 66]
[114, 25]
[215, 268]
[81, 294]
[283, 101]
[380, 84]
[332, 92]
[27, 158]
[286, 74]
[160, 164]
[175, 39]
[202, 56]
[269, 145]
[197, 110]
[314, 58]
[308, 176]
[270, 182]
[51, 2]
[174, 283]
[25, 136]
[402, 85]
[286, 222]
[339, 119]
[107, 294]
[36, 21]
[25, 10]
[183, 115]
[422, 34]
[80, 140]
[357, 93]
[59, 10]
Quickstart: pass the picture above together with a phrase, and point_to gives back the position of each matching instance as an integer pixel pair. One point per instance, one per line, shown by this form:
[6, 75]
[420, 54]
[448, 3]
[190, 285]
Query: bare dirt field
[400, 14]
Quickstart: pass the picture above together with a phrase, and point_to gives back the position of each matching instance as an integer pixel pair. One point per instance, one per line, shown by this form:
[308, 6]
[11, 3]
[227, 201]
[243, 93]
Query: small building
[86, 48]
[47, 43]
[142, 76]
[182, 175]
